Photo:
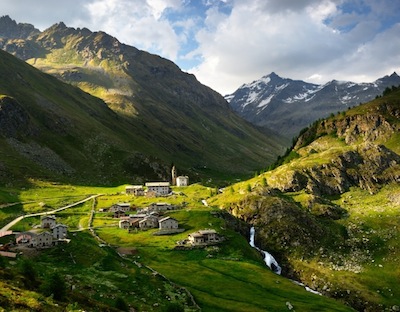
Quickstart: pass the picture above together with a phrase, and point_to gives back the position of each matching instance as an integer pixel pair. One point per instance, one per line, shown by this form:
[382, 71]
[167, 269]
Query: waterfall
[268, 258]
[272, 264]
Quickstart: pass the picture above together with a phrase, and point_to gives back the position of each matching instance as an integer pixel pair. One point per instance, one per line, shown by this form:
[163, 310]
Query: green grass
[222, 278]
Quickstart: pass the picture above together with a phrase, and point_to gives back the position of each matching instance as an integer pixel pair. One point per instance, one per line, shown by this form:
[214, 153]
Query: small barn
[135, 190]
[168, 223]
[124, 224]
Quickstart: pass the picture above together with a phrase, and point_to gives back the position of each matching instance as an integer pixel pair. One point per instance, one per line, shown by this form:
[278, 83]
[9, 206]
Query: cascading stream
[272, 264]
[268, 258]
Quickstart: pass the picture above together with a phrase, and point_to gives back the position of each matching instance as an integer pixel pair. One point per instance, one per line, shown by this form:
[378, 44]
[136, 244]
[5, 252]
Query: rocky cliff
[329, 212]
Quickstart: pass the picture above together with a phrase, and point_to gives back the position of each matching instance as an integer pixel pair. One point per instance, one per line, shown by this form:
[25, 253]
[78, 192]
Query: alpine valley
[287, 106]
[83, 117]
[154, 113]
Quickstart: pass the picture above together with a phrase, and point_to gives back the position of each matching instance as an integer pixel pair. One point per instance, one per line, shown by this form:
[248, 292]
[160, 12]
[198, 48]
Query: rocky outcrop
[14, 119]
[367, 167]
[376, 124]
[42, 156]
[281, 224]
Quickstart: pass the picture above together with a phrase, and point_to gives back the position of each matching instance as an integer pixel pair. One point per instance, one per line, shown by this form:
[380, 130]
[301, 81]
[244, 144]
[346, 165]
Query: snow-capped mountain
[287, 105]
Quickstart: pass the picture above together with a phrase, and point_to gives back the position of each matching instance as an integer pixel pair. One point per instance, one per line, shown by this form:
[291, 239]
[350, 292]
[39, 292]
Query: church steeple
[174, 174]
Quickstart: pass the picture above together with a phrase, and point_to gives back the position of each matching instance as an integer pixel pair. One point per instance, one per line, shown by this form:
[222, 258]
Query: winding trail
[16, 220]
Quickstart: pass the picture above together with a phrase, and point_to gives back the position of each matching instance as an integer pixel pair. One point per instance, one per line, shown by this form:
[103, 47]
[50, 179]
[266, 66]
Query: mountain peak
[58, 26]
[10, 29]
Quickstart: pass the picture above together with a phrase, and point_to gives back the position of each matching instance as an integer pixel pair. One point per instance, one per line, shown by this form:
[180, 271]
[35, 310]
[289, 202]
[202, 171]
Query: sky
[226, 43]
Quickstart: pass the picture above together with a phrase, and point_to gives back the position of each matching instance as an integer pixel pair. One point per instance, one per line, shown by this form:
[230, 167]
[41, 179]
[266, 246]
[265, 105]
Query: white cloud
[295, 41]
[318, 39]
[137, 23]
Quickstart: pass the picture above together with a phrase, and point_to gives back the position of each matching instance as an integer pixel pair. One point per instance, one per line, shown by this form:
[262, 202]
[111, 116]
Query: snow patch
[265, 102]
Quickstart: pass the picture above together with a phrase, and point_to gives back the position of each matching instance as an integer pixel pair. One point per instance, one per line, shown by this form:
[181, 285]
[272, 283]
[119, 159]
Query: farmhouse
[41, 240]
[59, 231]
[157, 207]
[135, 190]
[203, 237]
[119, 213]
[124, 224]
[148, 222]
[158, 188]
[120, 206]
[182, 181]
[168, 223]
[47, 222]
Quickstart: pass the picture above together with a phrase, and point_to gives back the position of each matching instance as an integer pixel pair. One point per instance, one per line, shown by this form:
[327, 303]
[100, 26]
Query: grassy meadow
[230, 276]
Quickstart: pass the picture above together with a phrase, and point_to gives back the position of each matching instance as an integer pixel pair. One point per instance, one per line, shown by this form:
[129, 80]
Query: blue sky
[226, 43]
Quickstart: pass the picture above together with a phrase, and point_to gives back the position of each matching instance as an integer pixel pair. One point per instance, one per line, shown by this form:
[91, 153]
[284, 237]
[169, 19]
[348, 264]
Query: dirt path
[16, 220]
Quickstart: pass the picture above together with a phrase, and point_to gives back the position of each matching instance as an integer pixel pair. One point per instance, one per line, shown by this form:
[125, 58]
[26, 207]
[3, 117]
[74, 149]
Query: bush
[54, 286]
[121, 304]
[29, 273]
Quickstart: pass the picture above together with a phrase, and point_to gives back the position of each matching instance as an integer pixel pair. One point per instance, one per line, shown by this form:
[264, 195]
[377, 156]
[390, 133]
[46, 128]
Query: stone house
[124, 224]
[182, 181]
[47, 222]
[210, 235]
[119, 213]
[168, 223]
[42, 240]
[158, 188]
[59, 231]
[196, 238]
[135, 190]
[203, 237]
[157, 207]
[120, 206]
[149, 222]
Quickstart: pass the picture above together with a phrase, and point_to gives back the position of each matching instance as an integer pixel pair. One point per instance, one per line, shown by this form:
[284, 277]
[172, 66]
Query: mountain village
[49, 233]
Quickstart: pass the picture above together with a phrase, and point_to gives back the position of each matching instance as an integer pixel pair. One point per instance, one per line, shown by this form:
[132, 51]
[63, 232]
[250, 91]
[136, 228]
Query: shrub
[54, 286]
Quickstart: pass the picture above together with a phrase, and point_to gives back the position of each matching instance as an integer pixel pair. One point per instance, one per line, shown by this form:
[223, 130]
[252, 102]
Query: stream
[268, 258]
[273, 264]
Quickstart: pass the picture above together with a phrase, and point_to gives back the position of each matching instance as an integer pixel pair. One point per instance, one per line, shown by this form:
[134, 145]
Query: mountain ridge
[287, 105]
[182, 120]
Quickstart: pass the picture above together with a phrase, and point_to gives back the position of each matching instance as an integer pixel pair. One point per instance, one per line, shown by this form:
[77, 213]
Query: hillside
[104, 267]
[329, 212]
[166, 115]
[287, 106]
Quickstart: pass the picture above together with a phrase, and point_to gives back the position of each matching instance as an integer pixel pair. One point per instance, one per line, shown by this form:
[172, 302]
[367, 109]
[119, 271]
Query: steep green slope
[230, 276]
[330, 211]
[53, 130]
[177, 118]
